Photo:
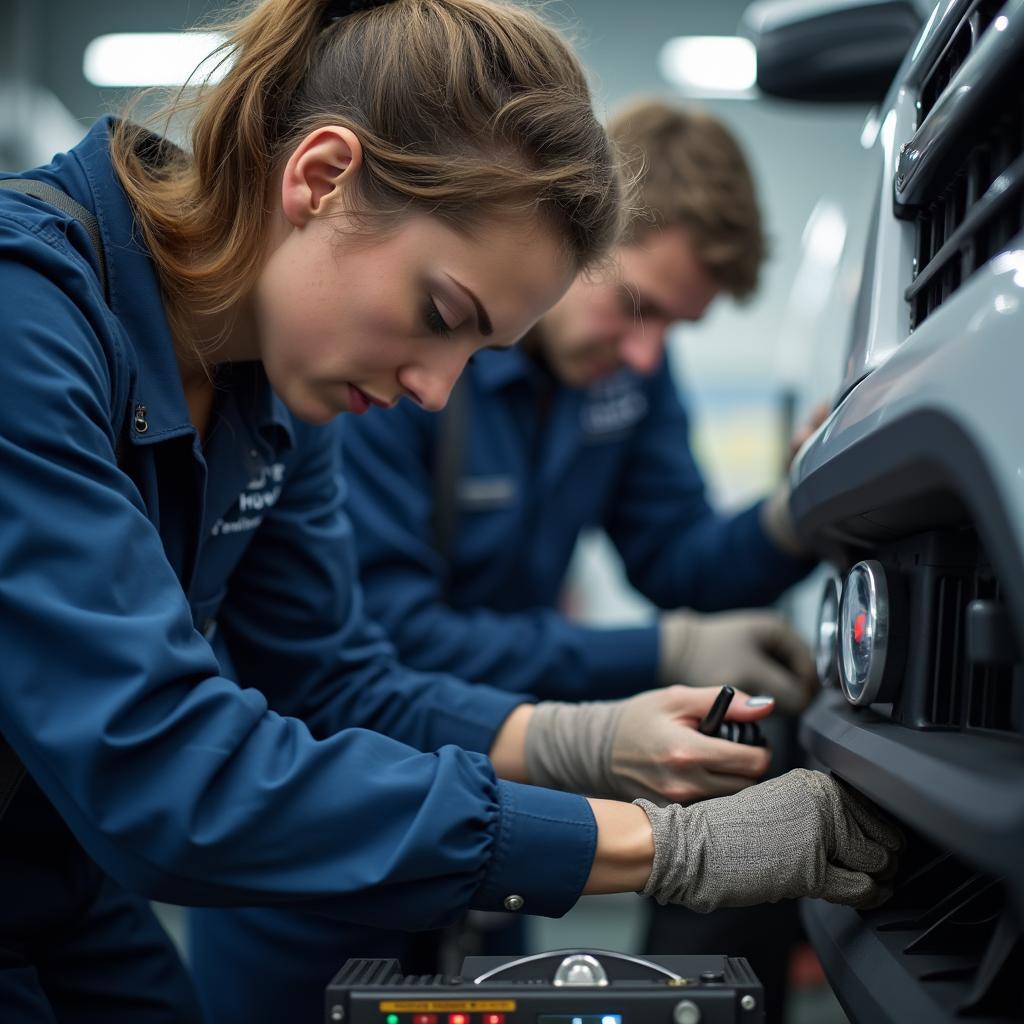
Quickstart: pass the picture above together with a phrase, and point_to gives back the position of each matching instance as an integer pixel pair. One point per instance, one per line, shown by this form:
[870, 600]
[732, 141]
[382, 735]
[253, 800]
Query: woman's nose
[432, 384]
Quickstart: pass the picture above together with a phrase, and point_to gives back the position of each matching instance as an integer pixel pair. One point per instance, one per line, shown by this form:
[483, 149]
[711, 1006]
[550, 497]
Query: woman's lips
[357, 401]
[360, 401]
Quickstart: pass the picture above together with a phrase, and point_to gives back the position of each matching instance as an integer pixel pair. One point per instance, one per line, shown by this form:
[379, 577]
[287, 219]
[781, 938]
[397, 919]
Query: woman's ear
[320, 166]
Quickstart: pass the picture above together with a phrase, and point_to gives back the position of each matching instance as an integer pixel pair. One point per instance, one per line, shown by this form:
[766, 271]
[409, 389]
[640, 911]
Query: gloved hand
[647, 745]
[755, 650]
[807, 429]
[776, 516]
[802, 834]
[778, 523]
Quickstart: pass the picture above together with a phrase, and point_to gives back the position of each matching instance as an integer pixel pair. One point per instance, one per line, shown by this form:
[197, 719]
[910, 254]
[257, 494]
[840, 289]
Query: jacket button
[141, 424]
[514, 902]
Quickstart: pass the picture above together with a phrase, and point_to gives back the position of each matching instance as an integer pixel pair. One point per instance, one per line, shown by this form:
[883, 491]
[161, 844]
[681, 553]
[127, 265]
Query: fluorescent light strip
[715, 65]
[132, 59]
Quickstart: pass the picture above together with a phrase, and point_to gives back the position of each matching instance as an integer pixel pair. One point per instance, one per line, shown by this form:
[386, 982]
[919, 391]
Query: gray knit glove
[777, 522]
[646, 745]
[756, 651]
[802, 834]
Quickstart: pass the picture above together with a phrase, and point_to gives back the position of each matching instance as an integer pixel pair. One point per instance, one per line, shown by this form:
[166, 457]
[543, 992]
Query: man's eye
[435, 322]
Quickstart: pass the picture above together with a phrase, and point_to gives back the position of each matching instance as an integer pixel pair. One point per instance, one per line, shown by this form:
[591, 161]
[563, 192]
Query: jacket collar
[136, 301]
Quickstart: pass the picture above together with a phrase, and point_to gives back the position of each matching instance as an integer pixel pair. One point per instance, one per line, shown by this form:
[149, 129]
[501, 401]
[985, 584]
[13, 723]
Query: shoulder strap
[12, 771]
[448, 454]
[63, 202]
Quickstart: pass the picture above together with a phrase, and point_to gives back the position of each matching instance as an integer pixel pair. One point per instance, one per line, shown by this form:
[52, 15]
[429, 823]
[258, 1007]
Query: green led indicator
[392, 1018]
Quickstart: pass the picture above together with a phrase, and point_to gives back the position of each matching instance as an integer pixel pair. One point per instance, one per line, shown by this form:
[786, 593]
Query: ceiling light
[153, 58]
[721, 65]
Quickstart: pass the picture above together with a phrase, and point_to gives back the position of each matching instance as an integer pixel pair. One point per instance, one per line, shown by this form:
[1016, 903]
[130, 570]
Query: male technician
[466, 521]
[582, 426]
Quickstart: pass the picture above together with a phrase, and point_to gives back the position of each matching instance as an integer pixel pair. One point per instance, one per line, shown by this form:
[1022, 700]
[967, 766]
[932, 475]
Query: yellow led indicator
[448, 1006]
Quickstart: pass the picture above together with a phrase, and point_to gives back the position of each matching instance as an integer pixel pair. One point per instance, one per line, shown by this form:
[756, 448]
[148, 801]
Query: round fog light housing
[865, 633]
[826, 643]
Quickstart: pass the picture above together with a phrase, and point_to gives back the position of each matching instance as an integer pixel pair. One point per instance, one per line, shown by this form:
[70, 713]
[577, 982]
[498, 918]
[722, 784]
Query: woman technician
[204, 713]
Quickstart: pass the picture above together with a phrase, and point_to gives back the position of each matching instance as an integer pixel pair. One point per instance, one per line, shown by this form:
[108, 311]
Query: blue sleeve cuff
[620, 662]
[543, 852]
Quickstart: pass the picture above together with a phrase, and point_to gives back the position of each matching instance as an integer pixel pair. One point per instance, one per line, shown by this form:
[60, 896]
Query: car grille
[977, 18]
[962, 693]
[968, 204]
[963, 663]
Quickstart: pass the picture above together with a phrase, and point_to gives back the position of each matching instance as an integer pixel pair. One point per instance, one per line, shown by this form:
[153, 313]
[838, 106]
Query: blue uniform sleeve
[388, 462]
[180, 783]
[295, 626]
[676, 548]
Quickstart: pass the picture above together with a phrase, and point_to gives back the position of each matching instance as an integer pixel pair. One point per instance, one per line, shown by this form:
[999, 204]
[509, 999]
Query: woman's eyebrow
[482, 319]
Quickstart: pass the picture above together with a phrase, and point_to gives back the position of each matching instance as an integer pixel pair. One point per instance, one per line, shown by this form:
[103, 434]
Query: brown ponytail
[463, 107]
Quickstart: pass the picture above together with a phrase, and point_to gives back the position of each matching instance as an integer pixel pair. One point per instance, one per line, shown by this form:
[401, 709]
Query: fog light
[826, 654]
[865, 634]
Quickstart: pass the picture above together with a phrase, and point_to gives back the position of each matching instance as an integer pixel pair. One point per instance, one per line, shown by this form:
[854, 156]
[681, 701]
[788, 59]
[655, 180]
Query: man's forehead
[662, 269]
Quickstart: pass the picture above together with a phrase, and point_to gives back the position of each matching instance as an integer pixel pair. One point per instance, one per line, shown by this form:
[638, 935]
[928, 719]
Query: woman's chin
[310, 407]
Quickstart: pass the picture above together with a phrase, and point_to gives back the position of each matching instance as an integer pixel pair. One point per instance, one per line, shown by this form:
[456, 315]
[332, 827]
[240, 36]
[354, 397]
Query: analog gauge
[826, 646]
[863, 632]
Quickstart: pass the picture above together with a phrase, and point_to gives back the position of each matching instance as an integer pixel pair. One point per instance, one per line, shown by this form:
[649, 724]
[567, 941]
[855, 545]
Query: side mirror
[830, 50]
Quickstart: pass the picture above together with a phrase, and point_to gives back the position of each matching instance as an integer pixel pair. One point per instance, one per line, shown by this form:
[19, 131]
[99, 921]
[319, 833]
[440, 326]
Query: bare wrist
[625, 848]
[508, 751]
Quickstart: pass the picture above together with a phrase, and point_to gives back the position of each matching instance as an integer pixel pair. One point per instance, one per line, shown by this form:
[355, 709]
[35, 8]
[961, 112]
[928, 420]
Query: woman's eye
[435, 321]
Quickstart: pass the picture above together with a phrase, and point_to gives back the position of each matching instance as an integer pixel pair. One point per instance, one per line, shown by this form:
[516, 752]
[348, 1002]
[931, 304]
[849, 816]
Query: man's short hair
[691, 173]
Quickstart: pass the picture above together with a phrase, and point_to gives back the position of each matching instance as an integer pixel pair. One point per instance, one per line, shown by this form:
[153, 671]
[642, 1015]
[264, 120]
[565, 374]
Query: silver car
[914, 485]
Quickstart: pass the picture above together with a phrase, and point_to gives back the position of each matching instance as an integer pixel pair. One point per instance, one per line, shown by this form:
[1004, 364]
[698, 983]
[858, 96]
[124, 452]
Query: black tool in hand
[714, 723]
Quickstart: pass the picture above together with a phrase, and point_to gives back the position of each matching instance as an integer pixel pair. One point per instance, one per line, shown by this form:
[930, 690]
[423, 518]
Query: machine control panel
[570, 986]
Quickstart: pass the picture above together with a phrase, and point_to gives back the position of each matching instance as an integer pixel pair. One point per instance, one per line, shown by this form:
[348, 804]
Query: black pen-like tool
[711, 723]
[714, 723]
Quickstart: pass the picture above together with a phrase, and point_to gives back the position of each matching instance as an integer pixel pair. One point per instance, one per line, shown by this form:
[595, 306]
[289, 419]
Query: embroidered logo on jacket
[260, 494]
[613, 406]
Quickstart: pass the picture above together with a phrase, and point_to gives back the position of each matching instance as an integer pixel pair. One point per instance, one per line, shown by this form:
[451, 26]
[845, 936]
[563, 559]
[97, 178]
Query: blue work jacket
[541, 462]
[142, 573]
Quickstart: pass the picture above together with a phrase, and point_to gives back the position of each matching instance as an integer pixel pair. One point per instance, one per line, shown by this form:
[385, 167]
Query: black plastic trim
[879, 978]
[961, 790]
[869, 980]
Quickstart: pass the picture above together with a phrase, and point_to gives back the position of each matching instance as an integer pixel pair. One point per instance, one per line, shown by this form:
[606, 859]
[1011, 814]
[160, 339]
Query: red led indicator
[494, 1018]
[458, 1018]
[424, 1018]
[858, 627]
